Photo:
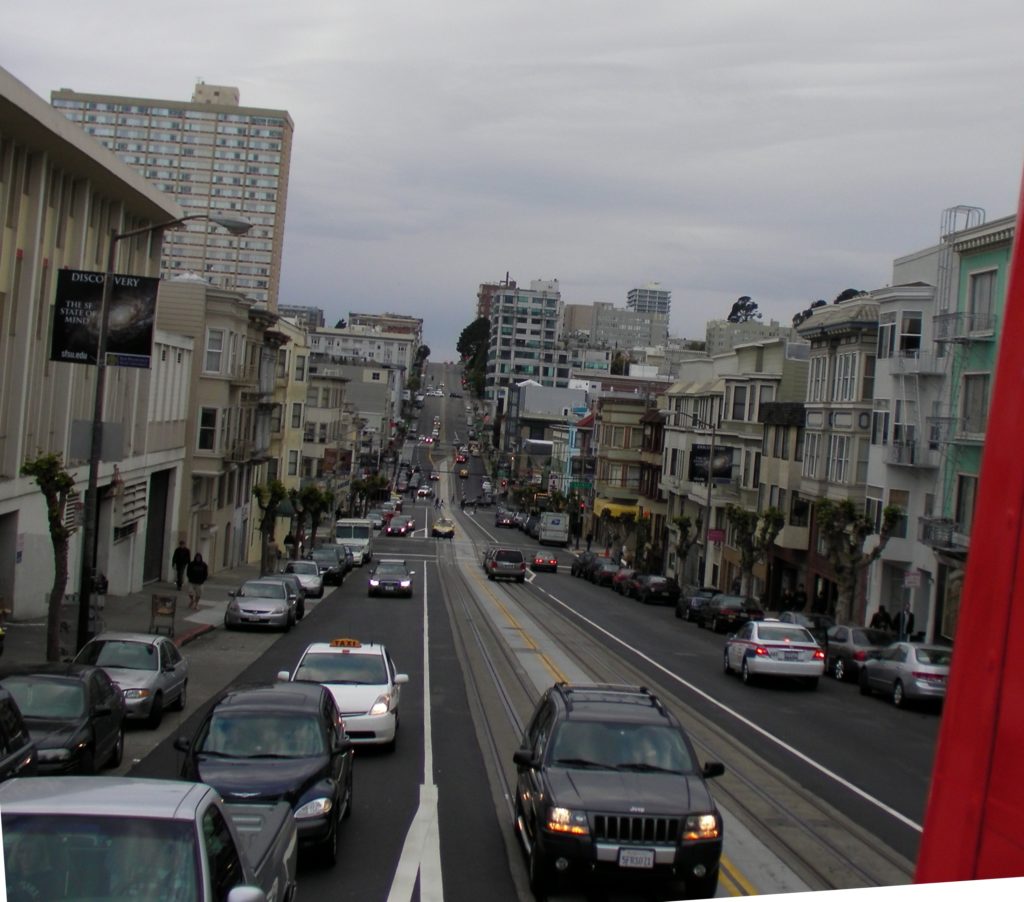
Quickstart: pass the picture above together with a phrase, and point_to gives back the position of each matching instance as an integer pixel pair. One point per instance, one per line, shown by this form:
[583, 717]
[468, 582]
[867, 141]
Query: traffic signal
[504, 483]
[583, 506]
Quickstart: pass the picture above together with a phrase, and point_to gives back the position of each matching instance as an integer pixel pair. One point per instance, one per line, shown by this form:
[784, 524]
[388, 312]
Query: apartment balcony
[956, 430]
[245, 376]
[917, 364]
[965, 327]
[911, 454]
[238, 452]
[942, 533]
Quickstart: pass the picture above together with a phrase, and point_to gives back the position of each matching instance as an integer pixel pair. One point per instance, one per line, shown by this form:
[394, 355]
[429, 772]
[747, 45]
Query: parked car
[365, 684]
[507, 563]
[283, 741]
[652, 588]
[690, 604]
[607, 774]
[907, 672]
[74, 713]
[817, 625]
[309, 575]
[296, 591]
[532, 526]
[121, 838]
[623, 574]
[580, 561]
[376, 516]
[330, 560]
[390, 577]
[601, 573]
[770, 648]
[149, 670]
[504, 519]
[18, 755]
[628, 585]
[544, 560]
[848, 647]
[520, 518]
[259, 602]
[726, 613]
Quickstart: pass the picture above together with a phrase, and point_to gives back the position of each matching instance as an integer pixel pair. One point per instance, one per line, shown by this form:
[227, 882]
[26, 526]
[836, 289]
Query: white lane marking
[846, 784]
[421, 851]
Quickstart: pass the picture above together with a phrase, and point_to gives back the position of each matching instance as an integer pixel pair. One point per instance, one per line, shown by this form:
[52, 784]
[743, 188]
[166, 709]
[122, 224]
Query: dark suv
[609, 783]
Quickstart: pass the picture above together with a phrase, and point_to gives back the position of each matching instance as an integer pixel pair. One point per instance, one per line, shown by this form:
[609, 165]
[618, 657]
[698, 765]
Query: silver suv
[506, 562]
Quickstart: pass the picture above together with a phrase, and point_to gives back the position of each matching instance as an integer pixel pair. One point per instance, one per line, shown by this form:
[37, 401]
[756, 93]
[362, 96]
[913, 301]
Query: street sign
[581, 485]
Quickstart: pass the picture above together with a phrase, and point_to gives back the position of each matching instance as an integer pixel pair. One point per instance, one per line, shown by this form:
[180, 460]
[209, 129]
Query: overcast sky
[781, 149]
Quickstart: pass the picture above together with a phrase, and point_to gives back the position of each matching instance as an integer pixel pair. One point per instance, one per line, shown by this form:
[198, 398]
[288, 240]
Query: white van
[357, 534]
[553, 529]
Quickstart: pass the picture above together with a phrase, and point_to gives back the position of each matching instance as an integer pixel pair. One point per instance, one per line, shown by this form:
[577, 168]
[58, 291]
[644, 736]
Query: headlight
[280, 609]
[316, 808]
[381, 706]
[701, 826]
[54, 754]
[406, 583]
[137, 693]
[565, 820]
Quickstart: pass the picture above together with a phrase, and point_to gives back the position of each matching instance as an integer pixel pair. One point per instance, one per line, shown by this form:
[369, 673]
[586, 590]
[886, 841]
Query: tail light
[819, 655]
[929, 677]
[860, 655]
[761, 651]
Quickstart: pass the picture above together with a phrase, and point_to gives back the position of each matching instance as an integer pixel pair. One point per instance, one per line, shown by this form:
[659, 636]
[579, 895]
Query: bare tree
[754, 535]
[268, 499]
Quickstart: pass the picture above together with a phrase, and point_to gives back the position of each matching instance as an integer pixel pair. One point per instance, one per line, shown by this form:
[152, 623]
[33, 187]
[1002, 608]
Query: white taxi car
[771, 648]
[362, 678]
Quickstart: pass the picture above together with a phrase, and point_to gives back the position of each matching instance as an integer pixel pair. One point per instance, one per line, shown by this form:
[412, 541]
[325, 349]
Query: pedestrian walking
[590, 539]
[787, 603]
[799, 598]
[903, 623]
[179, 561]
[881, 620]
[196, 571]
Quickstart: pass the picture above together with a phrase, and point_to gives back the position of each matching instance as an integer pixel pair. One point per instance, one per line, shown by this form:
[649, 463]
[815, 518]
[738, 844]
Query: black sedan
[601, 573]
[690, 604]
[330, 559]
[654, 589]
[727, 613]
[74, 713]
[280, 741]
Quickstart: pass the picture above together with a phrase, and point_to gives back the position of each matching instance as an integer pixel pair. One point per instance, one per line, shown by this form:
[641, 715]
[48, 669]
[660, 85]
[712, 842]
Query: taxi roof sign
[346, 643]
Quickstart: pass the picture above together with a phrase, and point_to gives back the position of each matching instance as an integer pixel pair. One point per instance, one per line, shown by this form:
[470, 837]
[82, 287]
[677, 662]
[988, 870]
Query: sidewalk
[25, 642]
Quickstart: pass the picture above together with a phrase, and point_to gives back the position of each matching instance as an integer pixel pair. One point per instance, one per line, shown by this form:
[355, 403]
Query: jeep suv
[609, 783]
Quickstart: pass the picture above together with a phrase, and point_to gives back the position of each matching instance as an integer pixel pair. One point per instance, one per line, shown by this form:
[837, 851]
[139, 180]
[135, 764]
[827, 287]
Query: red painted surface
[972, 826]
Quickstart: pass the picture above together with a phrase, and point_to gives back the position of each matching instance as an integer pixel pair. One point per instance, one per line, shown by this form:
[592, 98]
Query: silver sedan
[260, 602]
[907, 672]
[150, 671]
[309, 575]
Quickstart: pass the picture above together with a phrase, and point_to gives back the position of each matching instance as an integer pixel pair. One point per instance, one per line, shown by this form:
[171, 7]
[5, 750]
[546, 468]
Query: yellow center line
[740, 886]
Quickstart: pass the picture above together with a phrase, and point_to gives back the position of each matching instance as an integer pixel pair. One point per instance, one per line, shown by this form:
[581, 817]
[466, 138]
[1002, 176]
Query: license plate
[636, 858]
[791, 655]
[389, 588]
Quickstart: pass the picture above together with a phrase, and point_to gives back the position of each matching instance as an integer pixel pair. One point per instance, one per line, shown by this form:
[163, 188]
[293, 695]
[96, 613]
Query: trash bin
[161, 613]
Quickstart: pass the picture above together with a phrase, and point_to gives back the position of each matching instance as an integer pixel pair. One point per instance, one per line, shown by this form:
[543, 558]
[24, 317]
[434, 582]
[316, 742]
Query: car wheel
[117, 755]
[87, 761]
[703, 888]
[156, 712]
[348, 798]
[899, 699]
[329, 848]
[540, 871]
[715, 626]
[839, 669]
[700, 622]
[679, 613]
[182, 699]
[390, 747]
[726, 665]
[746, 675]
[865, 689]
[301, 611]
[811, 683]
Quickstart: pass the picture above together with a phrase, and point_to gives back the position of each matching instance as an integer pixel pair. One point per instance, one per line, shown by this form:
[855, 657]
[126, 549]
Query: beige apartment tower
[216, 158]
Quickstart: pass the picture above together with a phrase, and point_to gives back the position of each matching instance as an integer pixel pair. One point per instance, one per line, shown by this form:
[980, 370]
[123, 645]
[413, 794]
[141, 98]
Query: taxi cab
[364, 682]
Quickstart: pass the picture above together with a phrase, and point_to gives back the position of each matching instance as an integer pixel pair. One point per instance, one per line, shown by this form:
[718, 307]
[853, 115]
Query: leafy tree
[422, 353]
[843, 530]
[268, 499]
[744, 310]
[848, 294]
[806, 314]
[315, 503]
[620, 364]
[472, 348]
[56, 484]
[754, 535]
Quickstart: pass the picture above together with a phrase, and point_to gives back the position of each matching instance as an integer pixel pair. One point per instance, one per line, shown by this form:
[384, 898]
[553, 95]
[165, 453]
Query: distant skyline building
[721, 336]
[650, 298]
[218, 159]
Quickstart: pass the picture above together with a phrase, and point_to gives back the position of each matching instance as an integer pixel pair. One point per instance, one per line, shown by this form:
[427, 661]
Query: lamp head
[231, 224]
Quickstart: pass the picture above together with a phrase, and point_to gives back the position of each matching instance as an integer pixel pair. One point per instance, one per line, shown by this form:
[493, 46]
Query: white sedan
[364, 682]
[771, 648]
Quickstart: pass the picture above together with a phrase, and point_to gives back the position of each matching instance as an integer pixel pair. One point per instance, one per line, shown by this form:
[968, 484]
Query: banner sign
[76, 318]
[721, 467]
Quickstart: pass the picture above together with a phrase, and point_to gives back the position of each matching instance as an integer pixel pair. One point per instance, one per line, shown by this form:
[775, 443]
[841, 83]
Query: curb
[193, 634]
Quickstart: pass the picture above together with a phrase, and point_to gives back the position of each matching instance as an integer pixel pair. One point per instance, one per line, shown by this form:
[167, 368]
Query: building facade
[650, 298]
[215, 157]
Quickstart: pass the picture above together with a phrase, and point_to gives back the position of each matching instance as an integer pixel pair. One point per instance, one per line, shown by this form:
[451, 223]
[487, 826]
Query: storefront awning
[615, 508]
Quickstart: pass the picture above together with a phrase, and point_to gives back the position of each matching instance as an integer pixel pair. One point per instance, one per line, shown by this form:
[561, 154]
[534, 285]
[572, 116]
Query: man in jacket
[197, 571]
[180, 560]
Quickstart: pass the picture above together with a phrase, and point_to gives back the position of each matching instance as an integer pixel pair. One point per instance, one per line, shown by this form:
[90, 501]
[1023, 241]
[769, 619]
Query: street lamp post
[90, 532]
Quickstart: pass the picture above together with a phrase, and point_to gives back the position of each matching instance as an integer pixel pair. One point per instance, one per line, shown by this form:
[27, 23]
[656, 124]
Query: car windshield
[263, 590]
[306, 568]
[784, 634]
[871, 637]
[622, 746]
[386, 569]
[100, 858]
[120, 653]
[271, 735]
[342, 668]
[352, 531]
[49, 699]
[937, 656]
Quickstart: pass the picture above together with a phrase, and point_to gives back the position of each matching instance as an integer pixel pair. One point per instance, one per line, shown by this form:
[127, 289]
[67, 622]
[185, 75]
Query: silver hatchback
[149, 670]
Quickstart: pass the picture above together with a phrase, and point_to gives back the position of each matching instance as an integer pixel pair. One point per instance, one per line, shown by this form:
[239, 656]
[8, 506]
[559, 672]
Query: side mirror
[713, 769]
[284, 676]
[182, 743]
[233, 593]
[401, 679]
[524, 758]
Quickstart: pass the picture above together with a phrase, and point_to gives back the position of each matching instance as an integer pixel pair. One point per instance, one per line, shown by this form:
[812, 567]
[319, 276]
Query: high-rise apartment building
[218, 159]
[525, 325]
[650, 298]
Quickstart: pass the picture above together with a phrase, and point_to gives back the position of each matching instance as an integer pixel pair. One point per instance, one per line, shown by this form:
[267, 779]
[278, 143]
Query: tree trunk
[60, 584]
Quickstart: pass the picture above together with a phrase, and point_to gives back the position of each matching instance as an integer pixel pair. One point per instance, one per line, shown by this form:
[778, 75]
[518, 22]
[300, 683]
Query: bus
[357, 534]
